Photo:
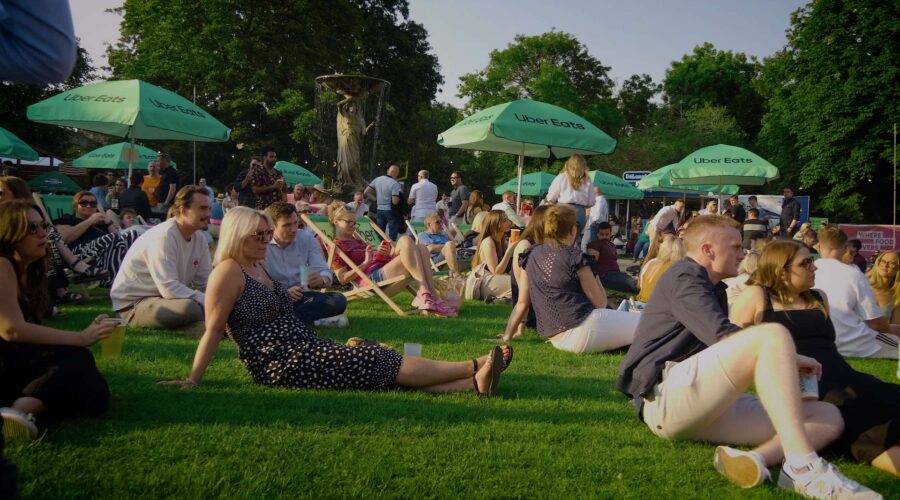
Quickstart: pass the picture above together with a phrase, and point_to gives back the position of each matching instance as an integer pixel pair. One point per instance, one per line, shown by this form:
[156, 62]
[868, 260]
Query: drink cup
[410, 349]
[304, 276]
[809, 388]
[111, 347]
[514, 236]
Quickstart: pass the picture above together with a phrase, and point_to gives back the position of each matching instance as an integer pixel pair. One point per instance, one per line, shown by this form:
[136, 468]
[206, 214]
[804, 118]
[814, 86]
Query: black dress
[869, 405]
[278, 349]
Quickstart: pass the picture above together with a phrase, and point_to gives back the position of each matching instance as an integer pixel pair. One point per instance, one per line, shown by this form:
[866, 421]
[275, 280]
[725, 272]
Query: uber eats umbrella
[614, 188]
[295, 174]
[13, 147]
[116, 157]
[720, 165]
[53, 182]
[528, 128]
[533, 184]
[659, 180]
[130, 108]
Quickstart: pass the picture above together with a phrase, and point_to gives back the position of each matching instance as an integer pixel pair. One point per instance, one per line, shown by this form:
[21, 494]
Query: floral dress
[278, 349]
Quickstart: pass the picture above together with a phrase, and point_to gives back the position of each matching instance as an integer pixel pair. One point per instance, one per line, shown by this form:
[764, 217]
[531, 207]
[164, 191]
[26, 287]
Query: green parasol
[721, 165]
[614, 188]
[533, 184]
[116, 157]
[659, 180]
[295, 174]
[13, 147]
[54, 182]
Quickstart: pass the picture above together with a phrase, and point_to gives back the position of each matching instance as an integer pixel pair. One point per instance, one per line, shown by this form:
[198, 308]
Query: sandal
[91, 274]
[496, 370]
[507, 351]
[69, 298]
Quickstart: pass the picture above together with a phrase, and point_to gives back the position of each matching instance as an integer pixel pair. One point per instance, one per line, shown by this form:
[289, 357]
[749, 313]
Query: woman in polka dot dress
[278, 349]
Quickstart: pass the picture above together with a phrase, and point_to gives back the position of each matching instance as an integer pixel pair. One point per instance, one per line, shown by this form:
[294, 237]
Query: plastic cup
[304, 276]
[514, 235]
[111, 347]
[410, 349]
[809, 388]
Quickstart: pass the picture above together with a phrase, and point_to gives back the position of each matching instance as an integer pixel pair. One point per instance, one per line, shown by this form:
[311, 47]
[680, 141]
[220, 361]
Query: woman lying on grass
[568, 300]
[406, 259]
[42, 370]
[278, 349]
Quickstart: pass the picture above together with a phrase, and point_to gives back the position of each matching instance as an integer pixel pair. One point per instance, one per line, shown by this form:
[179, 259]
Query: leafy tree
[836, 100]
[554, 68]
[719, 78]
[636, 102]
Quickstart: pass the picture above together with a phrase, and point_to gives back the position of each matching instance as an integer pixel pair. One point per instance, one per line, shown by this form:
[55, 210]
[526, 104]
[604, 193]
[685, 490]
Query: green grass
[559, 429]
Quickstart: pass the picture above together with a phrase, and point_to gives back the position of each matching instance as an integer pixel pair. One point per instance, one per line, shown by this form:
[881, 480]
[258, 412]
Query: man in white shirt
[508, 205]
[153, 288]
[668, 219]
[358, 205]
[294, 256]
[599, 213]
[860, 329]
[422, 197]
[442, 204]
[385, 190]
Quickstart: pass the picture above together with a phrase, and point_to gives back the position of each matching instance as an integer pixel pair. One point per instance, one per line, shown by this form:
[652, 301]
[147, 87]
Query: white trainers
[17, 424]
[745, 469]
[339, 321]
[820, 479]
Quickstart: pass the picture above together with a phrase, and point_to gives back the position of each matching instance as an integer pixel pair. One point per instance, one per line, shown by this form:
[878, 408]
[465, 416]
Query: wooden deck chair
[53, 207]
[368, 287]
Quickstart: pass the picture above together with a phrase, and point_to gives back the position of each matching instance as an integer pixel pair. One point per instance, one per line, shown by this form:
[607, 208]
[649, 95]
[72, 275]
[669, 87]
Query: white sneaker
[820, 479]
[339, 321]
[17, 424]
[745, 469]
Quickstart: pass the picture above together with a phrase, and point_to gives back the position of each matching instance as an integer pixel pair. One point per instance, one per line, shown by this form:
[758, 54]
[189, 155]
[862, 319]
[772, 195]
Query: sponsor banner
[874, 238]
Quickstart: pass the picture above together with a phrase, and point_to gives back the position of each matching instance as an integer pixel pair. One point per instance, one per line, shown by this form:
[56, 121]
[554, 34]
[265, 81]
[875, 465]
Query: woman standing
[42, 370]
[278, 349]
[885, 279]
[572, 187]
[781, 292]
[568, 300]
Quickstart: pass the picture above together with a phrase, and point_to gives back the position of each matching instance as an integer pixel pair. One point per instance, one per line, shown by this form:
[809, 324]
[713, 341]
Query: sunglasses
[86, 203]
[806, 263]
[34, 226]
[350, 222]
[264, 236]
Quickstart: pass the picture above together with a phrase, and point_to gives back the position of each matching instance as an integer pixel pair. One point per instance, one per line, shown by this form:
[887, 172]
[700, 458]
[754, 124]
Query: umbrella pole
[131, 155]
[519, 184]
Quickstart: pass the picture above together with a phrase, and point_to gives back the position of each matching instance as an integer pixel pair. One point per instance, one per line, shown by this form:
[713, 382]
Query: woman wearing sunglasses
[42, 370]
[91, 233]
[278, 349]
[780, 291]
[405, 258]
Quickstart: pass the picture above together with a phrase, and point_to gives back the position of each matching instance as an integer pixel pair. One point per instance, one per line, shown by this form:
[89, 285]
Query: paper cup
[111, 347]
[809, 388]
[412, 350]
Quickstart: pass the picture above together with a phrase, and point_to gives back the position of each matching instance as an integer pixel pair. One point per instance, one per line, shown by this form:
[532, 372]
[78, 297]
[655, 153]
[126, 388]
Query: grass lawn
[558, 429]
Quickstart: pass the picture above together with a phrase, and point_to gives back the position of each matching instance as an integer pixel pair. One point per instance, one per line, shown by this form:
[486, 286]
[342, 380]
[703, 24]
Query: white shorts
[603, 330]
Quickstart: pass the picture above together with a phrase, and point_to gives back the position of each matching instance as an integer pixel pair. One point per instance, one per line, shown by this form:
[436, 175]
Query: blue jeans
[317, 305]
[385, 220]
[640, 248]
[620, 282]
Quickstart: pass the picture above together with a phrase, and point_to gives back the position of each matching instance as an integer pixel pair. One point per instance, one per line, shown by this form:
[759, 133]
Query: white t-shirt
[425, 193]
[600, 210]
[852, 302]
[561, 191]
[161, 263]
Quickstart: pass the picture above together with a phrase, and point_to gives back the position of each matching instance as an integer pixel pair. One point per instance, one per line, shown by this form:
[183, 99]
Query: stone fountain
[354, 104]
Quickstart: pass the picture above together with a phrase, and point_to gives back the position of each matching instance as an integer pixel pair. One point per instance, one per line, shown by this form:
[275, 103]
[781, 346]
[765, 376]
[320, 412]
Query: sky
[632, 37]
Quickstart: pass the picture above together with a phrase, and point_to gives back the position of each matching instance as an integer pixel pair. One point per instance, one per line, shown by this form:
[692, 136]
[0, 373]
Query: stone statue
[351, 129]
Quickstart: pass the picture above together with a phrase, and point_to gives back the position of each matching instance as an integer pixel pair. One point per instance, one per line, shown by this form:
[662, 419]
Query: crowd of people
[723, 303]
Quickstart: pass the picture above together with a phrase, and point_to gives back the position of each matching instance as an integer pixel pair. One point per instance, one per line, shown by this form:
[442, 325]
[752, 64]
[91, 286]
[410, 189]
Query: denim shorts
[377, 274]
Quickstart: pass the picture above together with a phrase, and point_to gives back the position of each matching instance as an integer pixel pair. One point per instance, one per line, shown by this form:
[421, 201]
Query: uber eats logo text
[95, 98]
[175, 107]
[723, 160]
[552, 121]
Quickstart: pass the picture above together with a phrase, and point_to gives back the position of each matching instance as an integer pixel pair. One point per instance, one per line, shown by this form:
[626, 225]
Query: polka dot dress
[278, 349]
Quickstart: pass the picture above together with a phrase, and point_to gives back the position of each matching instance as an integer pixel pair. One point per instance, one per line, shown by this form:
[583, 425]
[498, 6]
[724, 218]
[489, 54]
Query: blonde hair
[670, 250]
[492, 229]
[237, 224]
[478, 221]
[879, 283]
[558, 223]
[576, 169]
[534, 230]
[832, 238]
[750, 263]
[696, 232]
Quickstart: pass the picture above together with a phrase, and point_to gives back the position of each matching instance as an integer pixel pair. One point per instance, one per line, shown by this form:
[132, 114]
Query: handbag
[472, 290]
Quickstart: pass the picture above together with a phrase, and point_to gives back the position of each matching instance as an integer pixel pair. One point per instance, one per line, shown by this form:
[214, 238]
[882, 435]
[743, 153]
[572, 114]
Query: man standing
[754, 229]
[599, 213]
[606, 266]
[459, 199]
[135, 198]
[168, 184]
[736, 209]
[385, 190]
[153, 286]
[858, 260]
[267, 182]
[209, 191]
[151, 183]
[243, 183]
[689, 367]
[669, 218]
[860, 328]
[790, 215]
[422, 197]
[508, 205]
[290, 252]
